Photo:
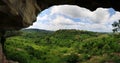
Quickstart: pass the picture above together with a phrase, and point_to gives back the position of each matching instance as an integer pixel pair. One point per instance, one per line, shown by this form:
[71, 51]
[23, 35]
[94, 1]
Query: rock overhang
[17, 14]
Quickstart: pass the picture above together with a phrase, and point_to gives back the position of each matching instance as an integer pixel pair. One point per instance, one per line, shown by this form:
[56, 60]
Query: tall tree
[116, 26]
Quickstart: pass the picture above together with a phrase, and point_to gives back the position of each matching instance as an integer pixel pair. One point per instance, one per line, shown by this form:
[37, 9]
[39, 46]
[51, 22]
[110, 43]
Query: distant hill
[35, 33]
[36, 30]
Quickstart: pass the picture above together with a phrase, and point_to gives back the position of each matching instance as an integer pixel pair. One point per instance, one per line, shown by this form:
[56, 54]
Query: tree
[116, 26]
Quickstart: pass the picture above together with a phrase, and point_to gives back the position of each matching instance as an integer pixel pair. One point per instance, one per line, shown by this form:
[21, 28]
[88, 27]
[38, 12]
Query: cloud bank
[75, 17]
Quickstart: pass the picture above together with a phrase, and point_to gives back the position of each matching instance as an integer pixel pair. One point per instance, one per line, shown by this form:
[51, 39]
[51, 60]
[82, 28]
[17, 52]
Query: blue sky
[75, 17]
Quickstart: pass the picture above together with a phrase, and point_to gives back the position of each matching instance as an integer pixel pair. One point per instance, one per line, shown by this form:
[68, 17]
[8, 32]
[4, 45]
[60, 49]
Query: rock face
[3, 58]
[90, 4]
[17, 14]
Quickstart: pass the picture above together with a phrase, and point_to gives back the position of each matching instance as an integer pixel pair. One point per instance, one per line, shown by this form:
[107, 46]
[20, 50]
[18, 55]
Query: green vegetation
[63, 46]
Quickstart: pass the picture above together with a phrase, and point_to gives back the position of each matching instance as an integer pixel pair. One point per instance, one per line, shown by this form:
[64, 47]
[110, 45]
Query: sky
[75, 17]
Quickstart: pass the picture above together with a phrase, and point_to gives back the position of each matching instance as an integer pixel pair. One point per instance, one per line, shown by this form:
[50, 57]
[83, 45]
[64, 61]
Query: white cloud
[62, 21]
[59, 22]
[98, 20]
[115, 17]
[70, 10]
[100, 15]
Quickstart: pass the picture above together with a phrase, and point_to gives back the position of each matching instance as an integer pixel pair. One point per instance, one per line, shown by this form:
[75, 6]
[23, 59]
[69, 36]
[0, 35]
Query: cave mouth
[75, 17]
[72, 19]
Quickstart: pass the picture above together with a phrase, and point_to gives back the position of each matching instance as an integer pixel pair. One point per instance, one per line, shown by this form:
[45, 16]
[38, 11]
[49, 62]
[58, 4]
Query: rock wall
[17, 14]
[0, 53]
[3, 58]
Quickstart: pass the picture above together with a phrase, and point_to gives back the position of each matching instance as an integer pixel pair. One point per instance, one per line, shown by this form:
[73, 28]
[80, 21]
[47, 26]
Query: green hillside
[63, 46]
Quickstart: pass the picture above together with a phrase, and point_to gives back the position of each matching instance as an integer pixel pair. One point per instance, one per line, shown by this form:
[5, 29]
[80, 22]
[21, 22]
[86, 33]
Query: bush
[21, 57]
[71, 58]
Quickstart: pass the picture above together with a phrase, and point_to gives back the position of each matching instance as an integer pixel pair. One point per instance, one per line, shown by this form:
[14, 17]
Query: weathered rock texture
[17, 14]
